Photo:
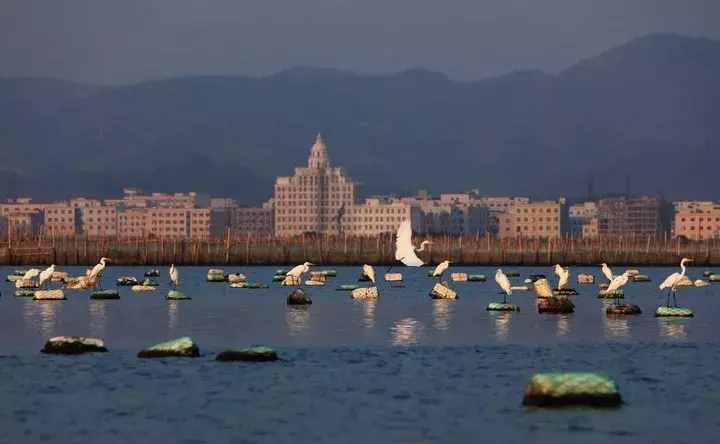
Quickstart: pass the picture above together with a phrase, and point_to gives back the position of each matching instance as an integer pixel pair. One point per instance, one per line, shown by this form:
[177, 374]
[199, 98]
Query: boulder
[617, 294]
[701, 283]
[585, 278]
[25, 283]
[365, 293]
[126, 281]
[542, 289]
[216, 275]
[314, 283]
[149, 282]
[318, 276]
[714, 278]
[73, 345]
[24, 293]
[641, 278]
[174, 295]
[181, 348]
[558, 305]
[623, 309]
[476, 278]
[238, 285]
[329, 273]
[290, 281]
[152, 273]
[563, 389]
[236, 278]
[442, 291]
[502, 306]
[347, 287]
[677, 312]
[142, 288]
[393, 277]
[49, 295]
[459, 277]
[105, 294]
[298, 297]
[250, 354]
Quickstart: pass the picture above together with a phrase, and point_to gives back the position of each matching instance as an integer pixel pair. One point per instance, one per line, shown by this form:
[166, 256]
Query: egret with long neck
[671, 282]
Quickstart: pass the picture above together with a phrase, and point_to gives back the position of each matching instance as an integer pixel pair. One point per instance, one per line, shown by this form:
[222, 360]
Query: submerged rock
[49, 295]
[298, 297]
[559, 305]
[623, 309]
[562, 389]
[174, 295]
[250, 354]
[678, 312]
[73, 345]
[442, 291]
[181, 348]
[105, 294]
[502, 306]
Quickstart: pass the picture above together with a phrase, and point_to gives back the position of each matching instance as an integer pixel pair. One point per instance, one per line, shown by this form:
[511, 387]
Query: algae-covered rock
[562, 389]
[174, 295]
[250, 354]
[641, 278]
[181, 348]
[623, 309]
[24, 293]
[49, 295]
[678, 312]
[105, 294]
[617, 294]
[298, 297]
[559, 305]
[476, 278]
[152, 273]
[442, 291]
[73, 345]
[347, 287]
[502, 306]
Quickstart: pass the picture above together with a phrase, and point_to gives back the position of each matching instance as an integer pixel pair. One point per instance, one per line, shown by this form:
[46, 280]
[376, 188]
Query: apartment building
[540, 219]
[697, 220]
[622, 216]
[375, 216]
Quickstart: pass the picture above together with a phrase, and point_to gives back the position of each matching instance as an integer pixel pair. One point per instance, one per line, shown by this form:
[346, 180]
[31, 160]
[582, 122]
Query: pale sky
[110, 41]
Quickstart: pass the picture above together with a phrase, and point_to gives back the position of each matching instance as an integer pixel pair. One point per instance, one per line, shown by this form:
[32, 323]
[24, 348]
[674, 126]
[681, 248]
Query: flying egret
[440, 269]
[504, 283]
[369, 271]
[672, 281]
[617, 283]
[174, 276]
[296, 272]
[97, 270]
[607, 272]
[563, 275]
[404, 249]
[46, 275]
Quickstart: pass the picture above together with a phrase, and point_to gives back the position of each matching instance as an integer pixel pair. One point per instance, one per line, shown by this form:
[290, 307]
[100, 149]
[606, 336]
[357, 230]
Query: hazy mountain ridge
[648, 108]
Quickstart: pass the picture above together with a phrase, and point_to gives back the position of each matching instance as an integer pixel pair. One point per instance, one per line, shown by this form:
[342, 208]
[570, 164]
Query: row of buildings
[322, 198]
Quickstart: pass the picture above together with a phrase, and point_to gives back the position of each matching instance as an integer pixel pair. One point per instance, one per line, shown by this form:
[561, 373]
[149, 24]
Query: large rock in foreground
[250, 354]
[73, 345]
[298, 297]
[181, 348]
[555, 305]
[562, 389]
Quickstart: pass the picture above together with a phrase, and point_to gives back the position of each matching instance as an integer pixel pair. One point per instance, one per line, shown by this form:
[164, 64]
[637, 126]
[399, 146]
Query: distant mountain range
[648, 110]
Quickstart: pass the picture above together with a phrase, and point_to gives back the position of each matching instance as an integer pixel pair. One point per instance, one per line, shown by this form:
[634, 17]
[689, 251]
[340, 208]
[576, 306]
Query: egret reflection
[406, 332]
[98, 318]
[563, 325]
[672, 328]
[616, 327]
[297, 319]
[173, 314]
[41, 316]
[442, 313]
[368, 308]
[501, 323]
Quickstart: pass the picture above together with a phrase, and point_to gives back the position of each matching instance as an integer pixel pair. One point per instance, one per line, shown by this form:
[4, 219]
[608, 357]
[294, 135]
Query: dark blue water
[402, 369]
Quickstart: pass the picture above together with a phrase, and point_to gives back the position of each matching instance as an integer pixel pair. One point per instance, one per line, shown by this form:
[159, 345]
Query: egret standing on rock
[296, 272]
[404, 249]
[504, 283]
[563, 275]
[46, 275]
[369, 271]
[672, 282]
[616, 284]
[174, 276]
[97, 270]
[440, 269]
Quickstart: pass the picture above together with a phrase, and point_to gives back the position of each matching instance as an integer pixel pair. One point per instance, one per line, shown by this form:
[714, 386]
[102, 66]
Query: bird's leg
[504, 298]
[667, 303]
[674, 299]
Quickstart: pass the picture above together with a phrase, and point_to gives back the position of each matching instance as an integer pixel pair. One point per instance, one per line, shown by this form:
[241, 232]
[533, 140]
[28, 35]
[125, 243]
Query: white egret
[672, 282]
[174, 276]
[563, 275]
[27, 279]
[296, 272]
[616, 284]
[46, 275]
[607, 272]
[31, 273]
[440, 269]
[404, 249]
[97, 270]
[504, 283]
[369, 271]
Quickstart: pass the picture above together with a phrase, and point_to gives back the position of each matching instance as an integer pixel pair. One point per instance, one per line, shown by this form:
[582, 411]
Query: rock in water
[49, 295]
[174, 295]
[617, 294]
[216, 275]
[623, 309]
[298, 297]
[562, 389]
[393, 277]
[181, 348]
[678, 312]
[477, 278]
[142, 288]
[105, 294]
[365, 293]
[347, 287]
[459, 277]
[442, 291]
[73, 345]
[24, 293]
[555, 305]
[501, 306]
[250, 354]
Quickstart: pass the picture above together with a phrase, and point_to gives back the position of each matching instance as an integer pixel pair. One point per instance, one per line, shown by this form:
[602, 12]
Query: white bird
[174, 275]
[298, 271]
[672, 281]
[369, 271]
[504, 283]
[440, 269]
[46, 275]
[27, 279]
[607, 272]
[563, 275]
[97, 270]
[617, 283]
[31, 273]
[404, 249]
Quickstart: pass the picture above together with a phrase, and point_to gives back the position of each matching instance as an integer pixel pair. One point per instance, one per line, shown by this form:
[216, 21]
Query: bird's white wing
[608, 273]
[31, 273]
[504, 283]
[404, 250]
[95, 271]
[296, 271]
[617, 283]
[369, 272]
[670, 281]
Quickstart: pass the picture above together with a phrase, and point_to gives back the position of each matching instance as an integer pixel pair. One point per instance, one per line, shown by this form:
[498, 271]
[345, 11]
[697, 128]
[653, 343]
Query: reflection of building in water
[173, 314]
[501, 323]
[406, 331]
[41, 316]
[442, 313]
[672, 328]
[297, 319]
[368, 306]
[98, 318]
[563, 325]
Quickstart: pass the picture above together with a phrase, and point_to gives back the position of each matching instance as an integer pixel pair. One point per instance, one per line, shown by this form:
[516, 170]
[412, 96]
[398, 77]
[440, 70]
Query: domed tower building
[315, 198]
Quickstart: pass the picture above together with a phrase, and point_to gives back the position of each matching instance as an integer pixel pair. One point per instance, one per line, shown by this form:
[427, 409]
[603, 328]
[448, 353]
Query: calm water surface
[403, 368]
